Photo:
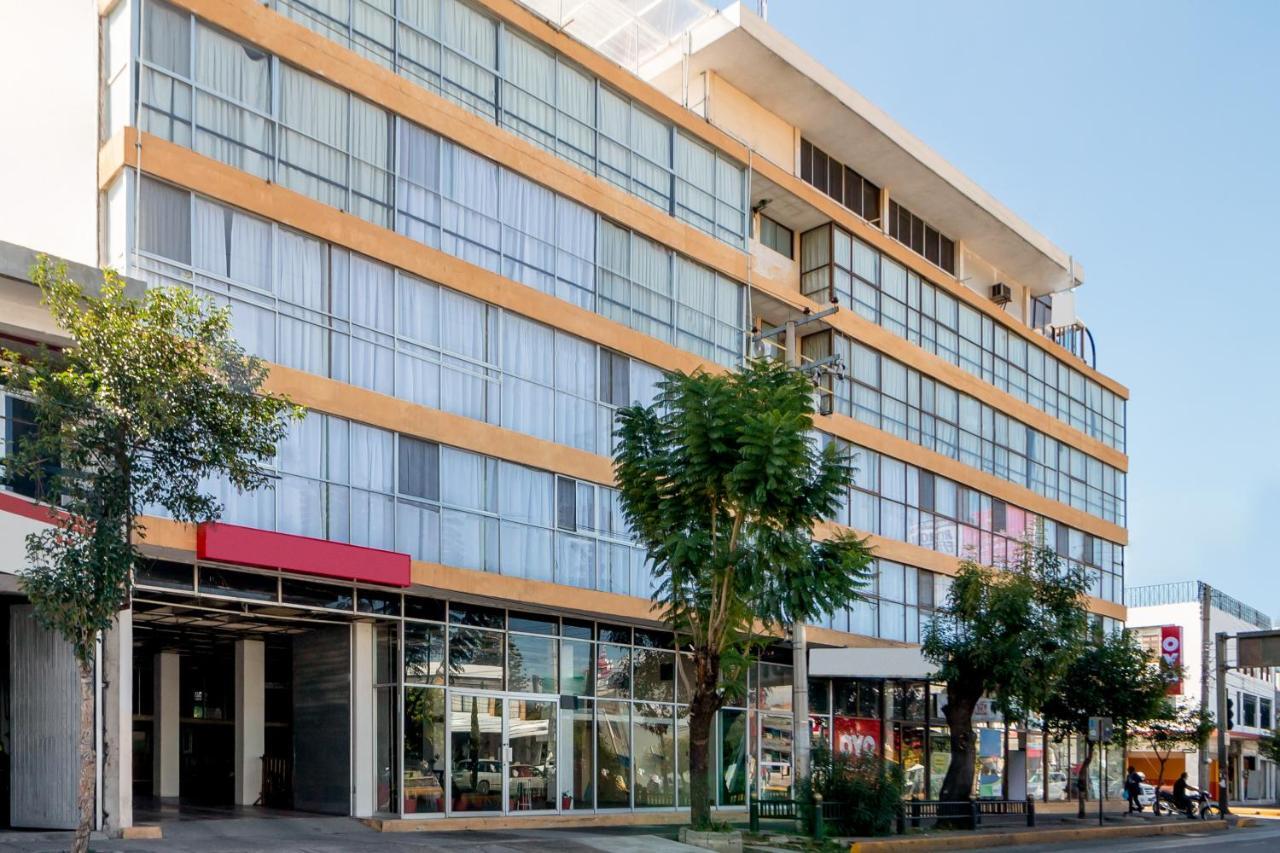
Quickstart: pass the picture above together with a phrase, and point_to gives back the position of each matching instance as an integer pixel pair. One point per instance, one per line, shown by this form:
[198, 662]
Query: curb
[1011, 839]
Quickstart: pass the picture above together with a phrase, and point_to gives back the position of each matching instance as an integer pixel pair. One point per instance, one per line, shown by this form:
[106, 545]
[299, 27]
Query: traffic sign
[1101, 730]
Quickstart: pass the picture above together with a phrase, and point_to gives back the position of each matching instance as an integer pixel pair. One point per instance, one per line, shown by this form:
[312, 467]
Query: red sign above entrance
[264, 549]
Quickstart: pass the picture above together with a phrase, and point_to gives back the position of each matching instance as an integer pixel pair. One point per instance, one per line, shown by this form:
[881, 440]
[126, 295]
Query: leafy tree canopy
[152, 397]
[724, 484]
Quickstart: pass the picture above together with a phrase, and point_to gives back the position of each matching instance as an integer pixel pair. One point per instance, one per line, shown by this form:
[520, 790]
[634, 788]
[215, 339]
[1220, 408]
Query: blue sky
[1144, 138]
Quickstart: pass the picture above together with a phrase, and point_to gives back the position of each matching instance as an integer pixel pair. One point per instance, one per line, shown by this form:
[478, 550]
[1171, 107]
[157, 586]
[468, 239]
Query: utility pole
[790, 347]
[1206, 602]
[1220, 651]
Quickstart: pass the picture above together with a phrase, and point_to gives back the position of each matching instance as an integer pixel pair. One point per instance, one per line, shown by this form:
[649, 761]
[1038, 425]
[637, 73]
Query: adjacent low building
[1171, 619]
[463, 232]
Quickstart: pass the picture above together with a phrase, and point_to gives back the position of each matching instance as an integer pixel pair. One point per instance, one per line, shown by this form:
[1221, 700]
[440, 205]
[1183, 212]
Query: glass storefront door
[476, 754]
[531, 754]
[502, 753]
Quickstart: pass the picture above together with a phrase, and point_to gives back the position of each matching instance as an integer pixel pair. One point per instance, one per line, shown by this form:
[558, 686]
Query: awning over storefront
[869, 663]
[248, 546]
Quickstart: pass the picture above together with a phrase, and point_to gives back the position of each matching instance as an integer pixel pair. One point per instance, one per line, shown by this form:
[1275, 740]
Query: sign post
[1101, 730]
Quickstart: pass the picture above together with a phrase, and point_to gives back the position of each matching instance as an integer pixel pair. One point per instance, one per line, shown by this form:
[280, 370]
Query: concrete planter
[726, 842]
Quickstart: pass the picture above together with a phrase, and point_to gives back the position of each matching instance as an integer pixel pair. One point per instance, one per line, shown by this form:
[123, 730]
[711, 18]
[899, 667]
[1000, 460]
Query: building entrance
[232, 709]
[502, 753]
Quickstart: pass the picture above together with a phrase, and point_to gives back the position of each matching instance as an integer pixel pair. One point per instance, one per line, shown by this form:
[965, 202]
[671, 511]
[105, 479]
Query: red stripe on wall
[248, 546]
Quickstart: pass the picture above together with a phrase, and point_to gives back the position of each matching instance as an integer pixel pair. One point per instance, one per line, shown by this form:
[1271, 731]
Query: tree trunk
[957, 785]
[85, 790]
[703, 705]
[1160, 773]
[1082, 781]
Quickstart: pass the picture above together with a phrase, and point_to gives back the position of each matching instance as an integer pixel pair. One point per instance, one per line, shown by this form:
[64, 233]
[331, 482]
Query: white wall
[48, 148]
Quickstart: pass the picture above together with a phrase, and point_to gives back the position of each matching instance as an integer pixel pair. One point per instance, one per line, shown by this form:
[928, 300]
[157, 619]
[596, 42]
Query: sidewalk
[1058, 825]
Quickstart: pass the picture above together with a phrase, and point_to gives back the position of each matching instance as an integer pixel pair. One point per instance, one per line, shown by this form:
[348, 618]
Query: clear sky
[1143, 137]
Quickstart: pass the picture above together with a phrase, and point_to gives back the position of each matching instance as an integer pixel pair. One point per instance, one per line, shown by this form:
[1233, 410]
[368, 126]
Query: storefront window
[655, 777]
[531, 772]
[424, 767]
[683, 794]
[939, 758]
[576, 777]
[776, 745]
[990, 782]
[577, 667]
[655, 675]
[476, 741]
[531, 664]
[732, 768]
[773, 692]
[613, 671]
[423, 653]
[475, 658]
[613, 755]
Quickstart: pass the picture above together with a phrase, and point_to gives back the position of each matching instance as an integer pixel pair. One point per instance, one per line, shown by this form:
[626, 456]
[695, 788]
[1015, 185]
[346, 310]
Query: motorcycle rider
[1180, 799]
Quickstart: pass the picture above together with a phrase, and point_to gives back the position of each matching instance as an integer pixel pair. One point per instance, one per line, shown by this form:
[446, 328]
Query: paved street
[1247, 840]
[341, 835]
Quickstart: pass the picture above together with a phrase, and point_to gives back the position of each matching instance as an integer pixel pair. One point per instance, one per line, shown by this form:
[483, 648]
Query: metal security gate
[45, 697]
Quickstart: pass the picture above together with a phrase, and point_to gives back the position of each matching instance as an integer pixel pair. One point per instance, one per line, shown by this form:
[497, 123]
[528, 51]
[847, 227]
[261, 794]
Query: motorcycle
[1202, 805]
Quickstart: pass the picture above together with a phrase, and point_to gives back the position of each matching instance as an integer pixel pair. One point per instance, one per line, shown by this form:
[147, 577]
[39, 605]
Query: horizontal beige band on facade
[864, 331]
[206, 176]
[173, 540]
[299, 46]
[868, 233]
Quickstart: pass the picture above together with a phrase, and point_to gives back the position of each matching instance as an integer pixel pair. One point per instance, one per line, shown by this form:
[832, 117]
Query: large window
[349, 482]
[902, 502]
[307, 304]
[839, 181]
[890, 396]
[340, 150]
[498, 73]
[921, 237]
[836, 265]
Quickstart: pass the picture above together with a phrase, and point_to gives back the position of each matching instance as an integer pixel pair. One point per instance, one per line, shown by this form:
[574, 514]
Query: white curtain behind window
[651, 140]
[370, 163]
[575, 126]
[300, 286]
[464, 332]
[575, 406]
[230, 124]
[471, 57]
[575, 228]
[469, 209]
[313, 140]
[528, 213]
[418, 187]
[529, 91]
[528, 360]
[651, 299]
[695, 168]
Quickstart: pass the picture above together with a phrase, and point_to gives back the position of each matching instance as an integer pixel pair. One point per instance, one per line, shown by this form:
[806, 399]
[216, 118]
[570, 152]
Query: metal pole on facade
[799, 646]
[1206, 600]
[1220, 651]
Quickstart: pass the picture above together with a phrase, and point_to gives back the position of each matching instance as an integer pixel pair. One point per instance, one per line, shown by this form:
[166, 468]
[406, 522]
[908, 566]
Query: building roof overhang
[757, 59]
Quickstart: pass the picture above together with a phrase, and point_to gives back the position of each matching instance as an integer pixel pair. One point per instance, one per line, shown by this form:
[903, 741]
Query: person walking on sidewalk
[1133, 788]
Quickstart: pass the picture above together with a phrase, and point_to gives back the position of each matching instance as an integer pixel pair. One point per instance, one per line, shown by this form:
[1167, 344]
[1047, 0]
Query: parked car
[481, 776]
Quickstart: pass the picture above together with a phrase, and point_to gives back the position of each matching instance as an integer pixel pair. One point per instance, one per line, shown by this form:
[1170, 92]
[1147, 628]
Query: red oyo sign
[265, 549]
[856, 735]
[1171, 651]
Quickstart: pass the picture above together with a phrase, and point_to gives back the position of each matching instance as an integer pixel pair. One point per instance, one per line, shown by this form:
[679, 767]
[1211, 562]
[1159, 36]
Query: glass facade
[834, 263]
[499, 74]
[899, 400]
[899, 501]
[349, 482]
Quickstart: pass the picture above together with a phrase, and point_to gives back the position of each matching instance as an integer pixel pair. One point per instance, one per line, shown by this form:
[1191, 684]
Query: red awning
[248, 546]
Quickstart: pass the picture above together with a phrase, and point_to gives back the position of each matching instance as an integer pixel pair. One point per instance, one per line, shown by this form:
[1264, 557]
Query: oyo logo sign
[1171, 651]
[855, 744]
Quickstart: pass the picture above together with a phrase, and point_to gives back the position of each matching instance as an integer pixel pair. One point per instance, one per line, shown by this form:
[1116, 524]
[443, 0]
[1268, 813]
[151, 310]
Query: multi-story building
[1171, 618]
[463, 234]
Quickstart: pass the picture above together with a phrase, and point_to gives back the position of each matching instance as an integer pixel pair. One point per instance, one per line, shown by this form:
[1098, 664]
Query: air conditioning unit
[1001, 293]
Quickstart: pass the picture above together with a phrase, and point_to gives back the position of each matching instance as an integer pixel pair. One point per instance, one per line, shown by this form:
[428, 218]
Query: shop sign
[266, 549]
[857, 735]
[1171, 652]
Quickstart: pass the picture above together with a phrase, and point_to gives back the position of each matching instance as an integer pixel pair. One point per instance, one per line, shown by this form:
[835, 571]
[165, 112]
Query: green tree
[1112, 676]
[1006, 633]
[152, 396]
[1268, 746]
[1175, 728]
[722, 484]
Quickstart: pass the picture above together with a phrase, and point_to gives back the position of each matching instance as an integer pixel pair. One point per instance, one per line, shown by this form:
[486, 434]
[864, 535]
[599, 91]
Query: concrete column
[799, 703]
[164, 747]
[117, 702]
[251, 719]
[363, 732]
